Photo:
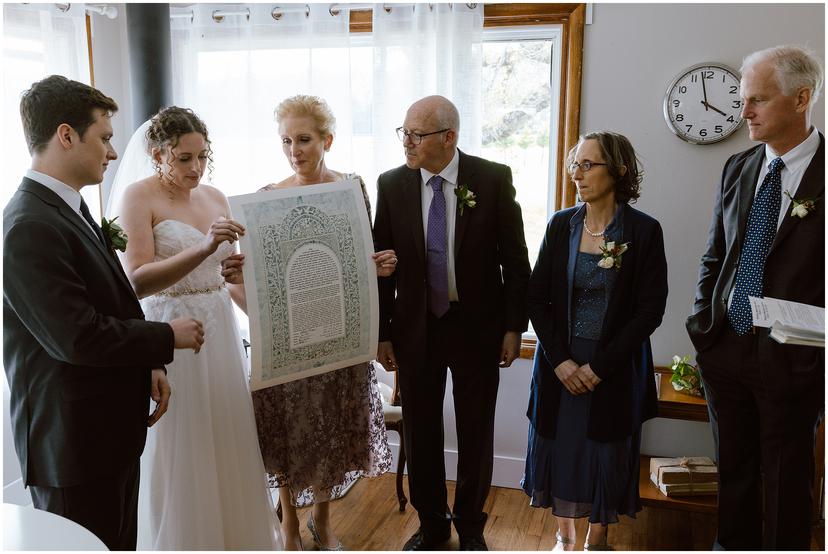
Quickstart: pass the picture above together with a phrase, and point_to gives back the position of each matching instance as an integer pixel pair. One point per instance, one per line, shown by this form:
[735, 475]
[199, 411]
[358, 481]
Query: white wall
[631, 54]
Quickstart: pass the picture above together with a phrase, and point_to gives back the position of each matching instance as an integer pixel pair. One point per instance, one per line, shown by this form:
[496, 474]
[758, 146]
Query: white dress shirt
[67, 194]
[449, 175]
[796, 161]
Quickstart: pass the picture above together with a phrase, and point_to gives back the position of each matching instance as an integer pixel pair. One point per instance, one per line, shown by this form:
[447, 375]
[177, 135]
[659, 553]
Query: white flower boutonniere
[801, 208]
[115, 236]
[465, 197]
[612, 255]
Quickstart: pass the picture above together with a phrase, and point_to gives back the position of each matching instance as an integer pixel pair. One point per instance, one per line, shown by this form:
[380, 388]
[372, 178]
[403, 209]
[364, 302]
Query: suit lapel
[66, 212]
[412, 192]
[746, 192]
[465, 174]
[811, 186]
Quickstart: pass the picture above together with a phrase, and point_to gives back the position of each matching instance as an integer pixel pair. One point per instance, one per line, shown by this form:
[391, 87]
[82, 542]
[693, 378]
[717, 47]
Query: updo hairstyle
[303, 105]
[166, 129]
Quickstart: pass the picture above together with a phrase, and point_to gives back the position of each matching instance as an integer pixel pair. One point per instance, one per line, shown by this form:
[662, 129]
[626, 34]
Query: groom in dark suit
[457, 300]
[80, 360]
[765, 399]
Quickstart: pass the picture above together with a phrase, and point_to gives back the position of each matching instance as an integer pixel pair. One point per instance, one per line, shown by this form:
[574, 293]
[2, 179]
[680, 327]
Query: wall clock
[702, 104]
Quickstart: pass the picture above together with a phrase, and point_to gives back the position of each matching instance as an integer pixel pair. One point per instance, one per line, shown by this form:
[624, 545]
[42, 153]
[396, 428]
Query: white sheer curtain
[38, 40]
[421, 50]
[235, 71]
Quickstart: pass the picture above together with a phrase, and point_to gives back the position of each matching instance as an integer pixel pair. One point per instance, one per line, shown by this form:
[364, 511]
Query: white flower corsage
[465, 197]
[612, 254]
[801, 208]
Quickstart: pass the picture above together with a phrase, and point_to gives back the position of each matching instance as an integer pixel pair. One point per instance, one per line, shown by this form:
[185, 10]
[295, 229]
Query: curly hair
[618, 152]
[303, 105]
[55, 100]
[169, 125]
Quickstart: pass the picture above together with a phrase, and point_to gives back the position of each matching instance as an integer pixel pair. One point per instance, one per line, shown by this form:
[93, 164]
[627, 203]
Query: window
[521, 97]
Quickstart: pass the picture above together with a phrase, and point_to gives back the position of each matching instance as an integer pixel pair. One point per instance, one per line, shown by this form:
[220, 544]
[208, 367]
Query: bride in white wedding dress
[203, 484]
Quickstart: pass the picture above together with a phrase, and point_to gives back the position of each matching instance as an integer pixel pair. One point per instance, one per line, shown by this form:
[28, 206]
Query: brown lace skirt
[318, 435]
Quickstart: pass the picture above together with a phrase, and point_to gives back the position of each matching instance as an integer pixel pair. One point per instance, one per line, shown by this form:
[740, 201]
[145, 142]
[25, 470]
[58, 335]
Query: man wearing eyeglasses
[457, 300]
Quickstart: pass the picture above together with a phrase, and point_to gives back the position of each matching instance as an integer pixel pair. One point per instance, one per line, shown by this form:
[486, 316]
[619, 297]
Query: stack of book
[692, 476]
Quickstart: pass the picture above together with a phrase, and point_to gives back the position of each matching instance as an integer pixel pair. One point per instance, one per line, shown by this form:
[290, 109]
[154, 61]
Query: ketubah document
[310, 280]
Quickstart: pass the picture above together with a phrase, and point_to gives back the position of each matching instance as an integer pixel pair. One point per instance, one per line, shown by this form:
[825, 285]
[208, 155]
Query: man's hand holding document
[790, 322]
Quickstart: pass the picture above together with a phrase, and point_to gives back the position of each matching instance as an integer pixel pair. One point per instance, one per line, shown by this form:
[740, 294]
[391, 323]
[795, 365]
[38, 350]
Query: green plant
[686, 377]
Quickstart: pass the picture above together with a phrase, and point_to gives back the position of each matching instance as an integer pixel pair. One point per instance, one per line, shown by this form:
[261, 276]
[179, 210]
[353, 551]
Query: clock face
[702, 105]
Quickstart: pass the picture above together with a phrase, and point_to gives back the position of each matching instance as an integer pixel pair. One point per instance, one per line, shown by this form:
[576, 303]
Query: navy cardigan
[626, 396]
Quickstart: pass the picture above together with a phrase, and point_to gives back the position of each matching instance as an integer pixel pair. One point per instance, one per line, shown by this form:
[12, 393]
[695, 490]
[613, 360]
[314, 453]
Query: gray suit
[766, 399]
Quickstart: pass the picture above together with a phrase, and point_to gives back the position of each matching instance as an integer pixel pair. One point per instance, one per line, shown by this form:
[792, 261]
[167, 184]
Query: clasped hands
[577, 379]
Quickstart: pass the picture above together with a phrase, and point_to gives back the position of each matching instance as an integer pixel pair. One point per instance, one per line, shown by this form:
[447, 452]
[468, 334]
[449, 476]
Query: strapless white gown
[203, 484]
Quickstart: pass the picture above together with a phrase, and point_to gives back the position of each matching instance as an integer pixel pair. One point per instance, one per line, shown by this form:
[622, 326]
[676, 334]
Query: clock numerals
[702, 104]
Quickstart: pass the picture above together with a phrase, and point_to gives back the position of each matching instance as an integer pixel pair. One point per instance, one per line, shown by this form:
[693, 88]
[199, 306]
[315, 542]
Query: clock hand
[704, 90]
[715, 109]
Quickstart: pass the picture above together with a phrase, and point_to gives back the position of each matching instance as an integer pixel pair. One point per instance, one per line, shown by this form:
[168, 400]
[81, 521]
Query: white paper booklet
[790, 322]
[310, 280]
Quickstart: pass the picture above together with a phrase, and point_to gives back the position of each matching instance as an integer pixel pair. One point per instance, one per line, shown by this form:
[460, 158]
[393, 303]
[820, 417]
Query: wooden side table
[674, 405]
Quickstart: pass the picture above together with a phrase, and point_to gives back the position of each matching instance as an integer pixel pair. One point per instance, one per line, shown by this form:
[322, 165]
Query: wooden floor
[368, 518]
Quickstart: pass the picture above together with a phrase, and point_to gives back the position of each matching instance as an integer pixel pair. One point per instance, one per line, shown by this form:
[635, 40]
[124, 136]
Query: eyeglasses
[415, 138]
[585, 166]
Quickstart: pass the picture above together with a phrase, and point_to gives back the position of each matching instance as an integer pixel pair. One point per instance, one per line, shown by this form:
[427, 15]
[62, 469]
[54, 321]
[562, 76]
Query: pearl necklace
[590, 233]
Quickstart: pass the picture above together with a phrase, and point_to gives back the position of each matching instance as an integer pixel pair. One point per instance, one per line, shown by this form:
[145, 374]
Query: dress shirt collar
[448, 173]
[66, 193]
[801, 154]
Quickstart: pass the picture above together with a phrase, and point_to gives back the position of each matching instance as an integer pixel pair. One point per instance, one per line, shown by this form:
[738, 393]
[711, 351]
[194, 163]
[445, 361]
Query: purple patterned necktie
[437, 259]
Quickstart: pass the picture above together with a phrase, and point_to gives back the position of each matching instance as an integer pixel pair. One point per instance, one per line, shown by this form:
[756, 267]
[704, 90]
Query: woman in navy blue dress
[597, 293]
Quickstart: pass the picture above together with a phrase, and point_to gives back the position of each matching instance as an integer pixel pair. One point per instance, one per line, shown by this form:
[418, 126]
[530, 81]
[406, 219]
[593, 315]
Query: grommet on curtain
[276, 13]
[307, 10]
[218, 15]
[63, 7]
[387, 8]
[471, 6]
[334, 10]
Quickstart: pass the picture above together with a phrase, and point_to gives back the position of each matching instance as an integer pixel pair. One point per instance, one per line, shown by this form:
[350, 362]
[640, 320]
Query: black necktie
[88, 217]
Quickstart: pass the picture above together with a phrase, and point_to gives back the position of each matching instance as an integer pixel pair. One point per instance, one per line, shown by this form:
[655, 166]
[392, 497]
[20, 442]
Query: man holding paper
[766, 240]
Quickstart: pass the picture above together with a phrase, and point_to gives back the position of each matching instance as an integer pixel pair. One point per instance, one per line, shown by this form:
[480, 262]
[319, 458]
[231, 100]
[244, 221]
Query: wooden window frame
[571, 17]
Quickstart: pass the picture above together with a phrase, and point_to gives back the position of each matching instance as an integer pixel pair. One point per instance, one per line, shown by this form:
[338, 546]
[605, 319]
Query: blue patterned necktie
[437, 259]
[759, 235]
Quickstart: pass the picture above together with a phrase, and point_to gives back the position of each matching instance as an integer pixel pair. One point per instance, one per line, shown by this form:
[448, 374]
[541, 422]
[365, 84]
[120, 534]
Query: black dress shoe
[473, 542]
[426, 541]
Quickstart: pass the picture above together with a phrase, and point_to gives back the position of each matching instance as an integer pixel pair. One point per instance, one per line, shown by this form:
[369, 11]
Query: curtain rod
[278, 11]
